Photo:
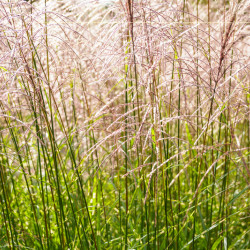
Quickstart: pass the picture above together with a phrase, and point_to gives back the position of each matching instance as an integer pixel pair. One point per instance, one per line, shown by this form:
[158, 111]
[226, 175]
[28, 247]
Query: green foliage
[123, 138]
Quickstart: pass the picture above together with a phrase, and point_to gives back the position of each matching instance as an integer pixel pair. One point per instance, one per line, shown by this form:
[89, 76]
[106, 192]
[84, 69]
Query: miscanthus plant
[124, 124]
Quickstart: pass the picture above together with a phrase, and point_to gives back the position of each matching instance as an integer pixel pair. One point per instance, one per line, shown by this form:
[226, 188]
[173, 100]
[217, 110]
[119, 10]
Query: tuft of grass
[124, 125]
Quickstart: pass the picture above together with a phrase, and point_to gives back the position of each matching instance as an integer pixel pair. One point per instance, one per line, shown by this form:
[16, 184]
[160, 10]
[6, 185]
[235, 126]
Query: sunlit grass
[124, 126]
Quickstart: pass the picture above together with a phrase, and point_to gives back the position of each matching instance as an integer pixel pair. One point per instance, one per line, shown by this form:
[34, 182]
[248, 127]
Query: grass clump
[124, 125]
